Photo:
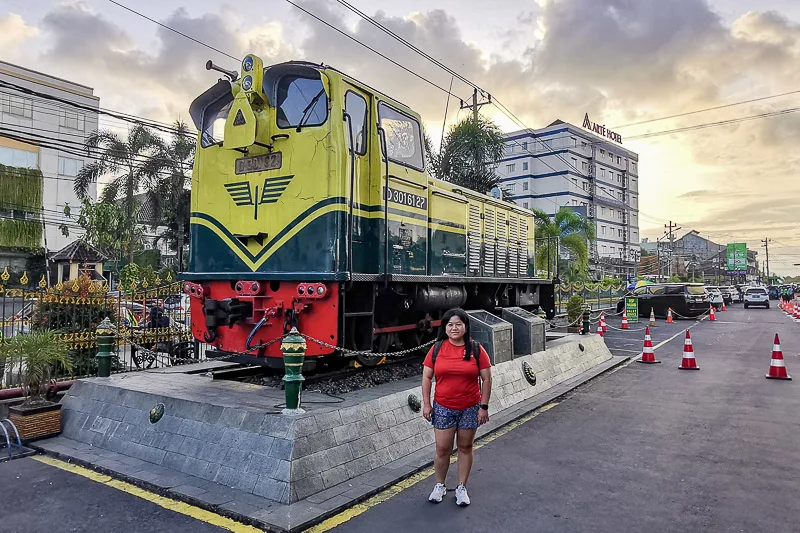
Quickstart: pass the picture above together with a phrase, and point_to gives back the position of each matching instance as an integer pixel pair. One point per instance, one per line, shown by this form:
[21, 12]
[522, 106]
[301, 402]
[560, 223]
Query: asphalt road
[645, 448]
[35, 497]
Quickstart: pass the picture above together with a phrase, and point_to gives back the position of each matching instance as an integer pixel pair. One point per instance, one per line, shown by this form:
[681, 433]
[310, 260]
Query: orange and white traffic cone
[603, 322]
[711, 316]
[648, 355]
[652, 317]
[669, 316]
[796, 312]
[624, 321]
[723, 307]
[688, 362]
[777, 367]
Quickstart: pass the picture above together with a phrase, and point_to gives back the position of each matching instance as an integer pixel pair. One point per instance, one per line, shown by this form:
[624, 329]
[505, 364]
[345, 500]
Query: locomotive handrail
[450, 196]
[407, 182]
[346, 116]
[382, 136]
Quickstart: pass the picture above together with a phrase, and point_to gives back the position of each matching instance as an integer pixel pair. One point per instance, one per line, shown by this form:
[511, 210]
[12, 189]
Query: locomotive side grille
[523, 248]
[514, 246]
[490, 242]
[502, 244]
[474, 240]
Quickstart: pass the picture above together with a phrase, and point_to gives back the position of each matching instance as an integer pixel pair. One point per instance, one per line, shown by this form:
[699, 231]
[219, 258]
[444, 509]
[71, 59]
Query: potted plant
[37, 355]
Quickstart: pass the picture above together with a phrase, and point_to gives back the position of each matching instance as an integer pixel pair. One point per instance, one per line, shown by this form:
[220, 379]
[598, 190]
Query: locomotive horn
[232, 74]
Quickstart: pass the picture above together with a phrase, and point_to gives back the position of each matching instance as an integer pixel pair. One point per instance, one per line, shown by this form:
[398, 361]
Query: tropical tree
[169, 177]
[104, 227]
[470, 153]
[566, 230]
[125, 160]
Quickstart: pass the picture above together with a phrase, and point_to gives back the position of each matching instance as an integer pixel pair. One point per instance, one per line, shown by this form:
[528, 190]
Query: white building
[41, 132]
[564, 165]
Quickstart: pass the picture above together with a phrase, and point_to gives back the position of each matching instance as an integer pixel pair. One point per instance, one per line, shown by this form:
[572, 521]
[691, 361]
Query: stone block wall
[283, 458]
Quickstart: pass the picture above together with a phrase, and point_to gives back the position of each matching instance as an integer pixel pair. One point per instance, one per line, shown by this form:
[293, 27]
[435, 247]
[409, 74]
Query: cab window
[356, 107]
[403, 137]
[214, 121]
[301, 102]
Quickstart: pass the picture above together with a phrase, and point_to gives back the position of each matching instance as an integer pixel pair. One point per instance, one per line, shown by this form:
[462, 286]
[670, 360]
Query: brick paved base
[234, 434]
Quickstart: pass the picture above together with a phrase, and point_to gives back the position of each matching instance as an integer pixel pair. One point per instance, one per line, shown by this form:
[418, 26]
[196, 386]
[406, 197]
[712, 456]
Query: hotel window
[602, 210]
[524, 166]
[525, 146]
[604, 248]
[611, 156]
[613, 250]
[11, 157]
[620, 232]
[574, 141]
[513, 187]
[73, 121]
[585, 165]
[633, 183]
[68, 166]
[633, 166]
[575, 181]
[602, 173]
[510, 149]
[585, 186]
[619, 160]
[525, 205]
[574, 202]
[602, 152]
[583, 144]
[16, 105]
[602, 230]
[583, 204]
[525, 186]
[575, 162]
[613, 215]
[511, 167]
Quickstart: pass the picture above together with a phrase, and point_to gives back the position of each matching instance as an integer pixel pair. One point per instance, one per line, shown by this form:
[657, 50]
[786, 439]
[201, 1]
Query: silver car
[757, 296]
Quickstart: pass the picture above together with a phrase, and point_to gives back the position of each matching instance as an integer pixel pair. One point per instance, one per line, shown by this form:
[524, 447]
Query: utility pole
[672, 228]
[766, 242]
[475, 106]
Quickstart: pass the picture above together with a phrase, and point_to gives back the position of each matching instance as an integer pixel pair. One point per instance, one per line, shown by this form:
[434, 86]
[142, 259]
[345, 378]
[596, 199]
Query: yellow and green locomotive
[311, 206]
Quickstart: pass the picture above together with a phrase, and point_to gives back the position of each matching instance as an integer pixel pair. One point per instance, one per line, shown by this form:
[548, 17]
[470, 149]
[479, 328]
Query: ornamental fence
[152, 321]
[596, 296]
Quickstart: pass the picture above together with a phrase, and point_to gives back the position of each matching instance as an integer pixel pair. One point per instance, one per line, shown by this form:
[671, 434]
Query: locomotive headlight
[247, 64]
[320, 290]
[301, 289]
[255, 287]
[247, 83]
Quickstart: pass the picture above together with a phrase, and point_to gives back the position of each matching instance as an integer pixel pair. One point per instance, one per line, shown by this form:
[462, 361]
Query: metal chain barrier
[370, 354]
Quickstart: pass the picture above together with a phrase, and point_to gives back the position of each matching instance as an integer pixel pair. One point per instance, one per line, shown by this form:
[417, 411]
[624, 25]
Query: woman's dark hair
[460, 313]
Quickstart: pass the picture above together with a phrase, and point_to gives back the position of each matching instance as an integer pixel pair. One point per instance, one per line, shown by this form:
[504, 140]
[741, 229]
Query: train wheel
[384, 343]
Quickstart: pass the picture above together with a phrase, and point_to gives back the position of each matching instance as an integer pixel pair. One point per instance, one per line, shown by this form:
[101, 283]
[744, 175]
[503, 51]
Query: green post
[293, 348]
[105, 340]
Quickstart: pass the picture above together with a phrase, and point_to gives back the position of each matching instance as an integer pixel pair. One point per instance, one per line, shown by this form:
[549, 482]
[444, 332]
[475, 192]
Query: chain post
[586, 317]
[105, 340]
[293, 348]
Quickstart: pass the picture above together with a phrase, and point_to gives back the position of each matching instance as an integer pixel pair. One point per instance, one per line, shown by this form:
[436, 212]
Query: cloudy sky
[622, 61]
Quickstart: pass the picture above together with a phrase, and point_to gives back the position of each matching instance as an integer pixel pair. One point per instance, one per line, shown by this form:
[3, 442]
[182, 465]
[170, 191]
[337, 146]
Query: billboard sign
[737, 259]
[632, 308]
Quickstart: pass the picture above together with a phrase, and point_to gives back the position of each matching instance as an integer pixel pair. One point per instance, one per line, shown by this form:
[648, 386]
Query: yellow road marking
[167, 503]
[397, 488]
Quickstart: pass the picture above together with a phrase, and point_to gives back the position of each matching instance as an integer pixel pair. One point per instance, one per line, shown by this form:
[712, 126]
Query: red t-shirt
[457, 384]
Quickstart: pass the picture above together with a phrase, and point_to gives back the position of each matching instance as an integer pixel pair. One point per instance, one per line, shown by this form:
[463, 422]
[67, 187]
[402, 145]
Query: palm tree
[169, 177]
[125, 160]
[570, 231]
[470, 153]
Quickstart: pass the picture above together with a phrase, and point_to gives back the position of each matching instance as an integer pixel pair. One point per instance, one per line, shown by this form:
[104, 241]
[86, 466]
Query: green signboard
[737, 259]
[632, 309]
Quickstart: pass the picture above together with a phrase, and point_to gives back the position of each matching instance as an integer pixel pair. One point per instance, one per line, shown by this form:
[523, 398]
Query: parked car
[726, 295]
[756, 296]
[774, 293]
[685, 299]
[177, 307]
[738, 294]
[715, 297]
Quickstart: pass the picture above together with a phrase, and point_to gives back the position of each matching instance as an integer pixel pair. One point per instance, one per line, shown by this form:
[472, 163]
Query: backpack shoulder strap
[476, 352]
[436, 348]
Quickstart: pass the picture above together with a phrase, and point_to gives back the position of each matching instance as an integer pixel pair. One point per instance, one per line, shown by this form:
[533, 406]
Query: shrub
[574, 307]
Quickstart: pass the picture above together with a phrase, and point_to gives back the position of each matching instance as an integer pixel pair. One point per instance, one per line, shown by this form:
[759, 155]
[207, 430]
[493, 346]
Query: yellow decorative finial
[75, 286]
[59, 286]
[24, 279]
[144, 283]
[5, 275]
[157, 281]
[169, 276]
[133, 284]
[42, 282]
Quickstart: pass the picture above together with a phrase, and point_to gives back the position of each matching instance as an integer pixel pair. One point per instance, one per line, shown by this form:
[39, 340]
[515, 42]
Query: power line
[648, 121]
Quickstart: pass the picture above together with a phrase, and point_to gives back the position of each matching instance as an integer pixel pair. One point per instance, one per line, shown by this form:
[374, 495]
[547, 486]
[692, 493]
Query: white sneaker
[438, 493]
[462, 498]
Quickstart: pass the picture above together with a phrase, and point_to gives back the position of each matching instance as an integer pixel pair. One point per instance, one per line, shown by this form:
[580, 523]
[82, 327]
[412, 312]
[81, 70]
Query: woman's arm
[427, 383]
[486, 393]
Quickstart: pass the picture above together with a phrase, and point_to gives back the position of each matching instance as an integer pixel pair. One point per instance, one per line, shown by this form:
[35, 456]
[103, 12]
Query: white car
[756, 296]
[715, 297]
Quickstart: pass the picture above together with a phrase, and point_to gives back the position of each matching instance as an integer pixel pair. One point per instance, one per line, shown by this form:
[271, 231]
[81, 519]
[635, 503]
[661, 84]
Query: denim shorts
[444, 418]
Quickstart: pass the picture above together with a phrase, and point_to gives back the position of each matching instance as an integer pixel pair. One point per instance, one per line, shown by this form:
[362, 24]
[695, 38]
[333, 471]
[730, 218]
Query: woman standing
[460, 403]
